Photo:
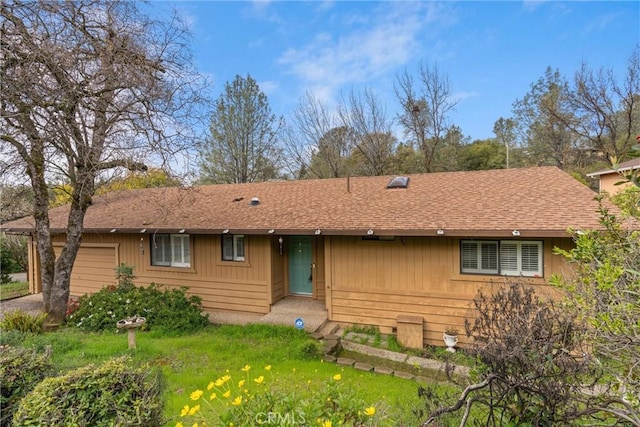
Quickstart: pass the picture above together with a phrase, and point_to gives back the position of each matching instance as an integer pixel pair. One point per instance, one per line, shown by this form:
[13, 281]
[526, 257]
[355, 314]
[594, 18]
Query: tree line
[578, 124]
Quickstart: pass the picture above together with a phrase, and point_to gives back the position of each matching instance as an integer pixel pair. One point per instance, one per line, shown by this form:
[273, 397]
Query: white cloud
[269, 87]
[368, 47]
[461, 96]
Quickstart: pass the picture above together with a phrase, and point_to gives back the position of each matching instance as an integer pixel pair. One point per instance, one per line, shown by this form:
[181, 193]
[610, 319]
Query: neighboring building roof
[622, 167]
[538, 202]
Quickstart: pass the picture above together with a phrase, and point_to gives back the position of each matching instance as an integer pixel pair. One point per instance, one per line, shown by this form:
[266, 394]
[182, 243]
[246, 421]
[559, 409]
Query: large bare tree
[317, 143]
[607, 108]
[426, 102]
[366, 115]
[87, 87]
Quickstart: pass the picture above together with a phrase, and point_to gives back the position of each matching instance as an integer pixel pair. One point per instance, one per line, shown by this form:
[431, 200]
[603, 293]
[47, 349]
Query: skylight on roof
[398, 182]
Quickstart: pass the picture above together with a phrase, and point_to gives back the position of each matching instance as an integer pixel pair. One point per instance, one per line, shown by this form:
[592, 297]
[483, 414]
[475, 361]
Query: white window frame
[478, 257]
[171, 250]
[517, 248]
[237, 249]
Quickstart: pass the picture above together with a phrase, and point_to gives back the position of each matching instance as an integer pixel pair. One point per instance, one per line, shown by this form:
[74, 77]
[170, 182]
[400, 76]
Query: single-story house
[371, 248]
[611, 180]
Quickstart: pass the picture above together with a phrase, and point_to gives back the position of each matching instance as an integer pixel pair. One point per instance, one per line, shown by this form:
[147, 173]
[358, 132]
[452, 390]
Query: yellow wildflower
[211, 385]
[246, 368]
[267, 368]
[240, 383]
[213, 396]
[259, 380]
[327, 423]
[227, 393]
[195, 425]
[194, 410]
[237, 401]
[179, 424]
[185, 410]
[337, 377]
[196, 395]
[370, 411]
[226, 378]
[219, 382]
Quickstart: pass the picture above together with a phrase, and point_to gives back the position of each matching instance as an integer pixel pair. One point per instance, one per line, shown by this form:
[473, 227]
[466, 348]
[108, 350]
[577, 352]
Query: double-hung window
[504, 257]
[171, 250]
[233, 247]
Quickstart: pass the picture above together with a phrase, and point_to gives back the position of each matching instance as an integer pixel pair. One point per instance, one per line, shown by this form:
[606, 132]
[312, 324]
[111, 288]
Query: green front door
[300, 280]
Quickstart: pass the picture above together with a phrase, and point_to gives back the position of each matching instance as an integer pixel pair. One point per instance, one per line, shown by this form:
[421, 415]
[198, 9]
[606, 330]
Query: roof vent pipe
[254, 201]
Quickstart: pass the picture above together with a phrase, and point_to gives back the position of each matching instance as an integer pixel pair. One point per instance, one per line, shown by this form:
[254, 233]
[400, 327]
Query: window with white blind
[171, 250]
[232, 247]
[505, 257]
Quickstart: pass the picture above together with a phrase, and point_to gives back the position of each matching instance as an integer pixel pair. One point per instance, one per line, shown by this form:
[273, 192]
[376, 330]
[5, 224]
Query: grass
[14, 290]
[191, 362]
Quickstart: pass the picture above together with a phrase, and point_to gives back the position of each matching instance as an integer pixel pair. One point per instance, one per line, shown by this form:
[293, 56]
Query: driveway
[32, 304]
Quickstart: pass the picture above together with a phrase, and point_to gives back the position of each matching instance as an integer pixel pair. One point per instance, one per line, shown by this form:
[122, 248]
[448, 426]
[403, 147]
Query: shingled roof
[538, 202]
[622, 167]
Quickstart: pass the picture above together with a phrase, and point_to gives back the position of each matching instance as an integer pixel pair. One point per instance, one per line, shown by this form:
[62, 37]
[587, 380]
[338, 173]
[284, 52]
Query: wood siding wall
[319, 272]
[223, 285]
[277, 272]
[373, 282]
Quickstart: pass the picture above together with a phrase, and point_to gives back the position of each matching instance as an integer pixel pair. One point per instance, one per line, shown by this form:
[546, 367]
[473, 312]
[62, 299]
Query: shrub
[113, 394]
[533, 367]
[166, 309]
[20, 371]
[21, 321]
[310, 350]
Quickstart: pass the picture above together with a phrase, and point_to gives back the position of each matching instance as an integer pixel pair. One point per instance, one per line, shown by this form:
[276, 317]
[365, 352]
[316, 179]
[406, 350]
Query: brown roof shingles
[536, 201]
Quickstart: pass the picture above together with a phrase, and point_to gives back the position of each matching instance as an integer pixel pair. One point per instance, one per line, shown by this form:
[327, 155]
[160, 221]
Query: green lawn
[191, 362]
[14, 290]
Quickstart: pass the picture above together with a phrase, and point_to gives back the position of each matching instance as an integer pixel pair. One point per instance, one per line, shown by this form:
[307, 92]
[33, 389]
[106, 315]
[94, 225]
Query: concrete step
[328, 328]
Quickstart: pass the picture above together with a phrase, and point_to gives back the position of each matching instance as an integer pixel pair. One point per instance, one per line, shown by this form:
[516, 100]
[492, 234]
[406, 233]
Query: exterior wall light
[440, 232]
[369, 232]
[225, 231]
[515, 233]
[113, 230]
[181, 231]
[144, 230]
[318, 231]
[271, 231]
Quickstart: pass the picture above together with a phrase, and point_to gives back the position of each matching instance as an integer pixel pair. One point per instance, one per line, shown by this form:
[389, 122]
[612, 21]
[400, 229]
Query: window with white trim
[171, 250]
[504, 257]
[233, 247]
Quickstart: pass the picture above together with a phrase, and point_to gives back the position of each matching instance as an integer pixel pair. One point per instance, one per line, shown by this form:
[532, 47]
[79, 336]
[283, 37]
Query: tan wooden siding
[223, 285]
[94, 267]
[608, 183]
[277, 271]
[373, 282]
[319, 282]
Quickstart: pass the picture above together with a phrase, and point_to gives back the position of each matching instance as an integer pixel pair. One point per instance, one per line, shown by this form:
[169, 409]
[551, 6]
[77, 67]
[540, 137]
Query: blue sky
[491, 51]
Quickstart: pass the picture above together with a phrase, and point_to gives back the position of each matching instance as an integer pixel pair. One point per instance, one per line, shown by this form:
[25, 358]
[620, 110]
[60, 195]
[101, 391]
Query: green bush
[310, 350]
[166, 309]
[21, 321]
[20, 371]
[113, 394]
